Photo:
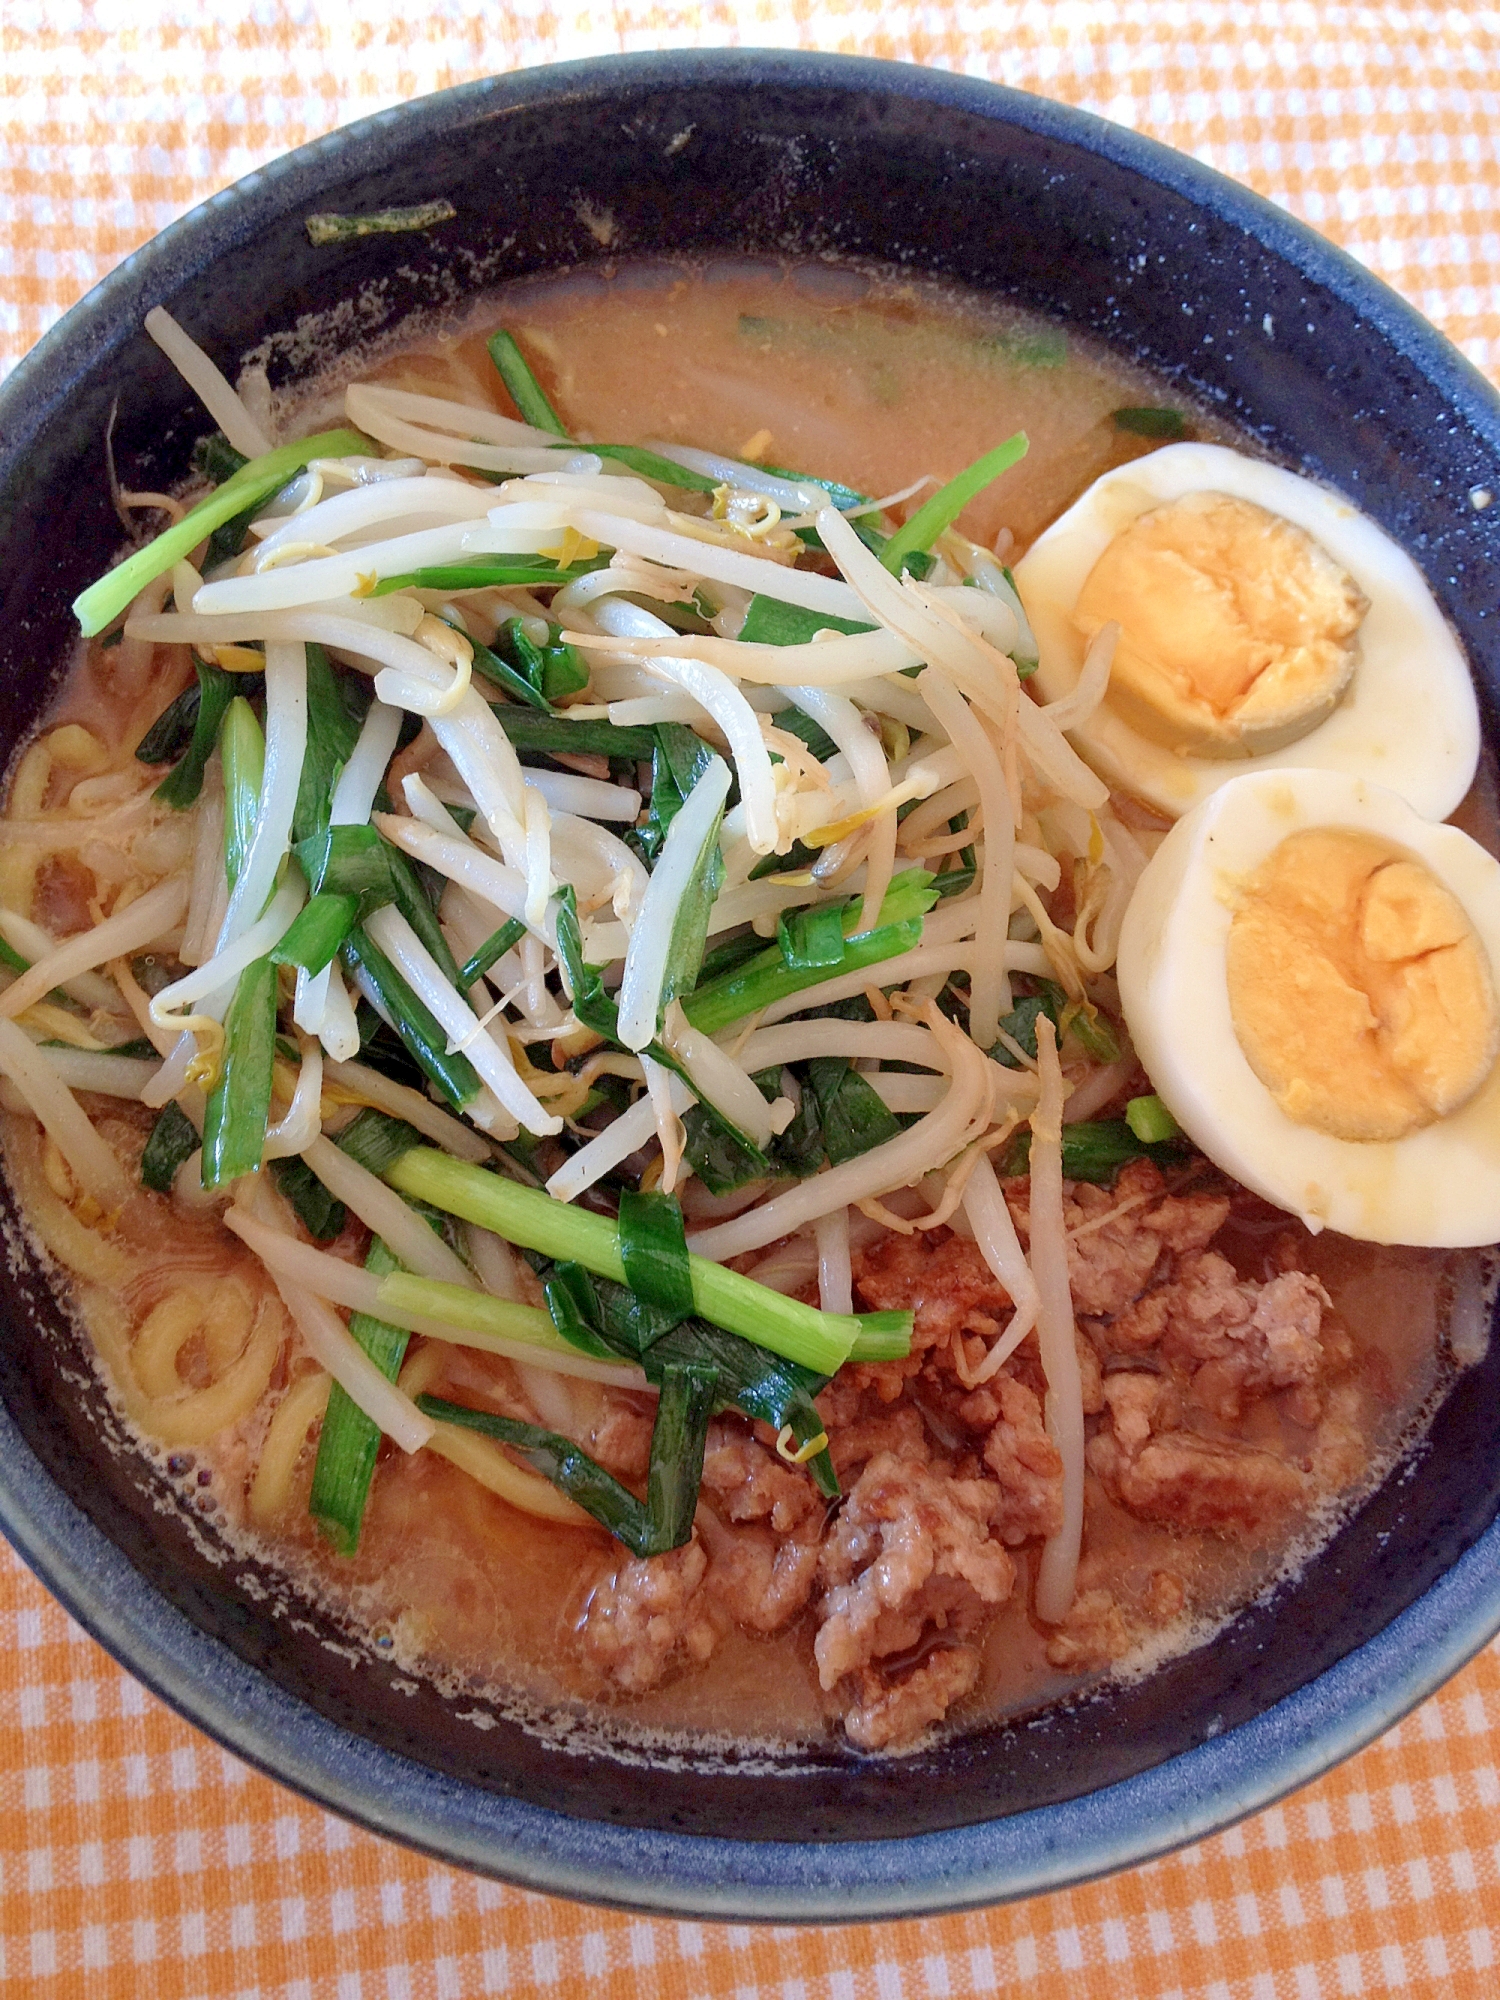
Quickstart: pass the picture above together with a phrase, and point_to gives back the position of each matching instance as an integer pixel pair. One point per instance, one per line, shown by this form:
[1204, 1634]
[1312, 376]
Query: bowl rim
[1196, 1793]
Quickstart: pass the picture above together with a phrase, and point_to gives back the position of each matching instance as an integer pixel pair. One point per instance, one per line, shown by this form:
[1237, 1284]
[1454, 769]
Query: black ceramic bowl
[807, 157]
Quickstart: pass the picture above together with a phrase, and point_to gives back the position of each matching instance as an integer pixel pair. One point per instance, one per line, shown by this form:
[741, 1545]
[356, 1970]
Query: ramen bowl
[781, 157]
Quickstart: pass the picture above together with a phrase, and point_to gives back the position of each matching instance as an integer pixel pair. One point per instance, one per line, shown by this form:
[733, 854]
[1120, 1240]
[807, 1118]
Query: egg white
[1409, 720]
[1439, 1186]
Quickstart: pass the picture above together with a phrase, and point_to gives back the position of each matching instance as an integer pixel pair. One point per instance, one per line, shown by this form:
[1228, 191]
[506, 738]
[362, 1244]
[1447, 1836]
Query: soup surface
[1240, 1380]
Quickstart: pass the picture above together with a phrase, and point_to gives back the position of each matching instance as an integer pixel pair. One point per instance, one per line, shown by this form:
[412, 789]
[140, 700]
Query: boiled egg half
[1308, 970]
[1264, 623]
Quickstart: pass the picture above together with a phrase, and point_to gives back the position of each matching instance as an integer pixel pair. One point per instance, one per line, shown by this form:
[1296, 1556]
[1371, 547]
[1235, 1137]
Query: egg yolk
[1238, 632]
[1361, 996]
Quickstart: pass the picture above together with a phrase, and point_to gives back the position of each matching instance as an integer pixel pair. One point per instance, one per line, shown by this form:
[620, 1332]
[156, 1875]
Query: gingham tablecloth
[138, 1860]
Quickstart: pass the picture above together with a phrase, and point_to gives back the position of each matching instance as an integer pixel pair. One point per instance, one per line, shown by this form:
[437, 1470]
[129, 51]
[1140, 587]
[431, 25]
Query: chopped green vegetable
[769, 622]
[769, 977]
[254, 483]
[853, 1117]
[359, 861]
[13, 961]
[173, 1139]
[242, 748]
[333, 727]
[1020, 1022]
[679, 757]
[493, 572]
[650, 465]
[172, 731]
[1092, 1151]
[654, 1252]
[494, 948]
[350, 1440]
[565, 1231]
[812, 940]
[321, 1214]
[209, 699]
[1151, 1121]
[524, 390]
[374, 1140]
[239, 1105]
[945, 506]
[413, 1021]
[316, 932]
[547, 735]
[541, 675]
[1151, 422]
[328, 228]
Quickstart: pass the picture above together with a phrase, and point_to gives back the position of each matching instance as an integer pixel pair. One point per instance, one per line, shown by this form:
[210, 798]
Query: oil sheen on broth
[877, 384]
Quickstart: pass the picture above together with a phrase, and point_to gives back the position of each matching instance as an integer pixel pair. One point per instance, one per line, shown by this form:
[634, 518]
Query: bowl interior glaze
[804, 158]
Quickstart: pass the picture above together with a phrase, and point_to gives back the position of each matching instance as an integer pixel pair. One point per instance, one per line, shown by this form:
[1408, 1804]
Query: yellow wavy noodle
[189, 1416]
[297, 1411]
[481, 1457]
[83, 1250]
[18, 864]
[221, 1314]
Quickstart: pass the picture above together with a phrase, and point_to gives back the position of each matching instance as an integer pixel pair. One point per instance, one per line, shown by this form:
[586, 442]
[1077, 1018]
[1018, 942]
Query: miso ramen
[626, 1024]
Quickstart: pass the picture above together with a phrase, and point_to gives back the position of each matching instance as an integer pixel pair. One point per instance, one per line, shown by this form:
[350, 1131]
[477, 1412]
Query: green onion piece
[413, 1021]
[493, 572]
[1151, 422]
[568, 1467]
[678, 1436]
[171, 733]
[350, 1440]
[528, 395]
[12, 959]
[494, 948]
[239, 1105]
[649, 465]
[540, 675]
[253, 483]
[879, 1341]
[217, 459]
[321, 1214]
[839, 496]
[691, 918]
[654, 1252]
[1151, 1121]
[332, 732]
[467, 1310]
[1020, 1023]
[242, 747]
[1092, 1150]
[546, 735]
[373, 1139]
[810, 940]
[945, 506]
[769, 622]
[853, 1116]
[563, 1231]
[213, 694]
[359, 861]
[1092, 1031]
[328, 228]
[768, 977]
[679, 757]
[316, 932]
[174, 1138]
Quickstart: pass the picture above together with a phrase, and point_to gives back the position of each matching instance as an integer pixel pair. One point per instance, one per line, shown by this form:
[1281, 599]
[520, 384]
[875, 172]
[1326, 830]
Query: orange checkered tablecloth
[136, 1858]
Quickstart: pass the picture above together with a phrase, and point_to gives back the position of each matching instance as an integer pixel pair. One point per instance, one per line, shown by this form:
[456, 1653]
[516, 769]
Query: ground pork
[751, 1484]
[937, 1276]
[1111, 1262]
[911, 1551]
[899, 1431]
[1234, 1336]
[647, 1616]
[887, 1713]
[1027, 1465]
[621, 1440]
[761, 1579]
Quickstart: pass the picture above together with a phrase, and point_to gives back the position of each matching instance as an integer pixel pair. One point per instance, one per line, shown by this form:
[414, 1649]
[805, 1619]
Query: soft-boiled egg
[1264, 623]
[1308, 971]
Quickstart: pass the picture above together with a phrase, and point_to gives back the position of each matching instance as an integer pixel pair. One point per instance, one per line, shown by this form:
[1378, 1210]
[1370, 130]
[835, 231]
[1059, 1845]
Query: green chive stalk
[253, 483]
[350, 1440]
[562, 1231]
[945, 506]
